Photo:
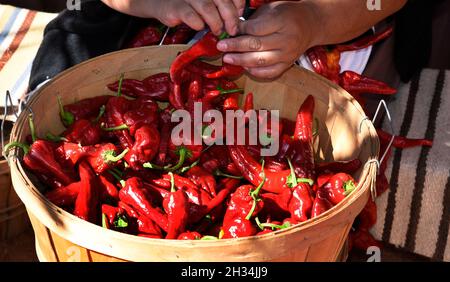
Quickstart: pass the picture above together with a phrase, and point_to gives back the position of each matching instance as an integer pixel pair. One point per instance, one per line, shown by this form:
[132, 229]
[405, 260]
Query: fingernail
[222, 46]
[228, 59]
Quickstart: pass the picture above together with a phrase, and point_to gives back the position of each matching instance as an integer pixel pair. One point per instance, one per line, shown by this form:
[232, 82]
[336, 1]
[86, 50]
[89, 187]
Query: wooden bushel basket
[61, 236]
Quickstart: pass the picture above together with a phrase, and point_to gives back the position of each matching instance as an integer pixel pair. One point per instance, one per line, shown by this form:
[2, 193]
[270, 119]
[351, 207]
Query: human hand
[219, 15]
[272, 39]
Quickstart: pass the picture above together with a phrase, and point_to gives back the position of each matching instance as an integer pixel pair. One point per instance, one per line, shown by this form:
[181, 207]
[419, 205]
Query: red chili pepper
[248, 104]
[338, 187]
[64, 196]
[227, 71]
[203, 68]
[158, 86]
[188, 153]
[320, 204]
[87, 203]
[148, 227]
[150, 35]
[225, 187]
[403, 142]
[358, 84]
[128, 210]
[130, 87]
[301, 203]
[368, 216]
[83, 132]
[177, 209]
[181, 35]
[143, 111]
[176, 97]
[102, 157]
[41, 159]
[110, 212]
[231, 102]
[325, 62]
[144, 148]
[202, 178]
[84, 109]
[243, 205]
[365, 41]
[276, 205]
[205, 47]
[196, 196]
[349, 167]
[362, 240]
[189, 236]
[195, 92]
[115, 111]
[323, 179]
[303, 157]
[108, 191]
[251, 170]
[133, 195]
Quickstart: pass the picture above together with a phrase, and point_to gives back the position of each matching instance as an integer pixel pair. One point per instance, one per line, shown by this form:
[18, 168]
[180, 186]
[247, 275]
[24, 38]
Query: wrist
[310, 22]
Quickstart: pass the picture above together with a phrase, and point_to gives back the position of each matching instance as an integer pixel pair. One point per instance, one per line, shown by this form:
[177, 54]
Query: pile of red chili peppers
[116, 166]
[325, 61]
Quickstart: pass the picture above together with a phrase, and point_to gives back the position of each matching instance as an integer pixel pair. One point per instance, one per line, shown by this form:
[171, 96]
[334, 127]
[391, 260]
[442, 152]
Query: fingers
[248, 43]
[230, 15]
[189, 16]
[208, 11]
[254, 59]
[269, 72]
[259, 26]
[240, 6]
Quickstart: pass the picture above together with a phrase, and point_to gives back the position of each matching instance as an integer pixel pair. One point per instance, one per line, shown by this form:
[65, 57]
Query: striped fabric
[415, 213]
[21, 33]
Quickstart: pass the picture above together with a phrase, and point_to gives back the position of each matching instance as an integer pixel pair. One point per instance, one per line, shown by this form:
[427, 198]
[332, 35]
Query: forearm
[137, 8]
[343, 20]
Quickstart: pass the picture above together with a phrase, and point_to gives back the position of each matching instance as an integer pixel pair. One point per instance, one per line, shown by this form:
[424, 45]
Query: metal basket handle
[9, 104]
[379, 161]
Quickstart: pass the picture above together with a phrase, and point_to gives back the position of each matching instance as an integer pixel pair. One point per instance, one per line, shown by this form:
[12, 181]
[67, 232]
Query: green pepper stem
[104, 221]
[292, 177]
[218, 172]
[54, 138]
[100, 113]
[152, 166]
[182, 153]
[259, 223]
[119, 89]
[349, 186]
[306, 180]
[231, 91]
[32, 127]
[187, 168]
[66, 117]
[109, 156]
[208, 237]
[116, 128]
[172, 183]
[223, 35]
[275, 226]
[22, 146]
[254, 194]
